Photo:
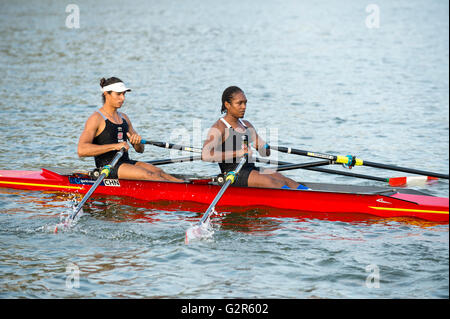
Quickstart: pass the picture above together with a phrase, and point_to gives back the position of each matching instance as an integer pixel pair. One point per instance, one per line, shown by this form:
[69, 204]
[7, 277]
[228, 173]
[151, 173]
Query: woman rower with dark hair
[224, 145]
[107, 130]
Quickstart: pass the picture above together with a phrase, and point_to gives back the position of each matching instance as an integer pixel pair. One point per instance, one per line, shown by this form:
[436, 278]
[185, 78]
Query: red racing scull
[320, 199]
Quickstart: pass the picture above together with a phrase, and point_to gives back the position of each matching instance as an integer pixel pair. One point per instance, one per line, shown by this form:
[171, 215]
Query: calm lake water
[321, 76]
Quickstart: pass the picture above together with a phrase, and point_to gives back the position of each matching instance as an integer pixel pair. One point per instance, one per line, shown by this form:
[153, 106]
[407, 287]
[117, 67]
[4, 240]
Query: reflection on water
[127, 249]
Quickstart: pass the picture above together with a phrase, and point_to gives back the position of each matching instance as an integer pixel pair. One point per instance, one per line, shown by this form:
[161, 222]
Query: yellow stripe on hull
[411, 210]
[40, 185]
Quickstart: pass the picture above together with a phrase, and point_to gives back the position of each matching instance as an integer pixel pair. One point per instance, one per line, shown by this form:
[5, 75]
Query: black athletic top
[233, 143]
[113, 133]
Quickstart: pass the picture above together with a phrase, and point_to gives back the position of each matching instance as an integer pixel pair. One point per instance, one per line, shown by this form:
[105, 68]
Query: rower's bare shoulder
[216, 132]
[218, 127]
[125, 116]
[94, 123]
[94, 119]
[248, 124]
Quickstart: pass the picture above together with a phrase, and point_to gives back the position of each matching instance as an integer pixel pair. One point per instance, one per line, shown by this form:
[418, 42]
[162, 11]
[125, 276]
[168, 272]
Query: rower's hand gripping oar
[350, 161]
[199, 230]
[103, 174]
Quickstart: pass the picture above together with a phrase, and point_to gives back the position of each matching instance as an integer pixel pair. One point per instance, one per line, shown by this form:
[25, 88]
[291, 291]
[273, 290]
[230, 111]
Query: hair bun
[102, 82]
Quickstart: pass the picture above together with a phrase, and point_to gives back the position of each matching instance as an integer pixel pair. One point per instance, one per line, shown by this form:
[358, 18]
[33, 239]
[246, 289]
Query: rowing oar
[197, 230]
[290, 166]
[392, 181]
[104, 173]
[309, 166]
[352, 161]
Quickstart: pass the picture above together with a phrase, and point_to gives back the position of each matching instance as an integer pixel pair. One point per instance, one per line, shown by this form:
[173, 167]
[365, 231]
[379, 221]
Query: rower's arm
[85, 143]
[258, 142]
[212, 152]
[133, 137]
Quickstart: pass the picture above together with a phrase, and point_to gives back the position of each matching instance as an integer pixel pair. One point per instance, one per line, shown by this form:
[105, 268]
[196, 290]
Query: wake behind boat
[320, 199]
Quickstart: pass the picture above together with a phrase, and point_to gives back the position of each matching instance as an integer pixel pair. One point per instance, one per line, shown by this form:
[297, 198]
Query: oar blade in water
[66, 221]
[199, 232]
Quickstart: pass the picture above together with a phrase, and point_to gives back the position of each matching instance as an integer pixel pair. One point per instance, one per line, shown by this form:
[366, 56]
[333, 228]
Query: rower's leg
[129, 171]
[137, 172]
[287, 181]
[256, 179]
[157, 170]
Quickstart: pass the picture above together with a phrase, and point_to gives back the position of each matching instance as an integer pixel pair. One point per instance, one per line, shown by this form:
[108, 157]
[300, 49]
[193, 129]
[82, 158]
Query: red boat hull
[201, 191]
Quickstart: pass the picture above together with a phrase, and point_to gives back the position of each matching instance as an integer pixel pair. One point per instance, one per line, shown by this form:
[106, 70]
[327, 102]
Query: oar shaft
[325, 170]
[175, 160]
[356, 175]
[172, 146]
[345, 160]
[289, 150]
[214, 202]
[105, 173]
[280, 163]
[221, 192]
[405, 169]
[279, 168]
[290, 166]
[88, 195]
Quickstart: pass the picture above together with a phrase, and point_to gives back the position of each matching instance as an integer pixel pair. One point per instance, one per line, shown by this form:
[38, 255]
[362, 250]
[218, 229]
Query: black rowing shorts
[242, 178]
[114, 173]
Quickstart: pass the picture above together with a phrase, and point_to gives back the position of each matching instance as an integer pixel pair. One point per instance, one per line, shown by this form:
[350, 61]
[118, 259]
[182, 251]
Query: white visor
[116, 87]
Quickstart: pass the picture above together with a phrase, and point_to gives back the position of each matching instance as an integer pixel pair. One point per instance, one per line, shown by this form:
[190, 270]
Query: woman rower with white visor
[107, 130]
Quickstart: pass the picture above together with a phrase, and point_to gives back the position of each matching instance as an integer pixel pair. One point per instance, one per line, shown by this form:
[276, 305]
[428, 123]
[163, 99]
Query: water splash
[200, 231]
[65, 219]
